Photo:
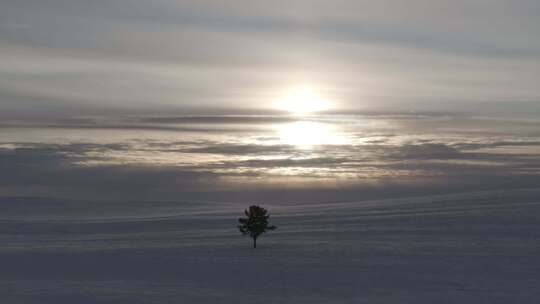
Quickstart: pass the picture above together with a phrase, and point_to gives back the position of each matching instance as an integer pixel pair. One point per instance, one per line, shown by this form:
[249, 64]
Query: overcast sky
[94, 96]
[77, 56]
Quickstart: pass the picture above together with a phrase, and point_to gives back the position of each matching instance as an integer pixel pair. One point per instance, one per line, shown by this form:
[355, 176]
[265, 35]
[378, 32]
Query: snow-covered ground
[481, 247]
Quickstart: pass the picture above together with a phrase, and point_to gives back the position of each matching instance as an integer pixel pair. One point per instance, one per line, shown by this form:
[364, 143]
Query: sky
[61, 56]
[267, 100]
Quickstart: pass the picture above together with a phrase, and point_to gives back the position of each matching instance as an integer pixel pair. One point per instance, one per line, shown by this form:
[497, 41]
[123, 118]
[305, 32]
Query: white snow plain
[481, 247]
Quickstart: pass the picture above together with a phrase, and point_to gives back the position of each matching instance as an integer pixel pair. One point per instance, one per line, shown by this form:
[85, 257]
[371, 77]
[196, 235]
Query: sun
[302, 101]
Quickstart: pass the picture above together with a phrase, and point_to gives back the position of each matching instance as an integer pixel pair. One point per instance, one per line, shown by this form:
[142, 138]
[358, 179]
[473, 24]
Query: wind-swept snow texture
[481, 247]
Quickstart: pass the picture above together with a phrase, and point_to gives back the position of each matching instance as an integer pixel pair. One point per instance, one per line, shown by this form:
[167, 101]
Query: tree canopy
[255, 223]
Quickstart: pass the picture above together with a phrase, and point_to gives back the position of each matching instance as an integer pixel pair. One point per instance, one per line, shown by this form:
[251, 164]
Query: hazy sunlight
[302, 101]
[307, 134]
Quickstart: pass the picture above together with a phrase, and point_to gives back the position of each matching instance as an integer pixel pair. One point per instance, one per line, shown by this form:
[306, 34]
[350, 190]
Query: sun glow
[301, 101]
[307, 134]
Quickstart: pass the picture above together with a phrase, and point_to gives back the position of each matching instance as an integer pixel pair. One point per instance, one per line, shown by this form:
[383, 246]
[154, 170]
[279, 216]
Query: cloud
[416, 74]
[169, 56]
[53, 168]
[426, 151]
[219, 119]
[92, 170]
[495, 144]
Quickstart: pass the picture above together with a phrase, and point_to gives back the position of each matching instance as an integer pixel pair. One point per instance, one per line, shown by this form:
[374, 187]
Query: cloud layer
[160, 56]
[163, 159]
[162, 98]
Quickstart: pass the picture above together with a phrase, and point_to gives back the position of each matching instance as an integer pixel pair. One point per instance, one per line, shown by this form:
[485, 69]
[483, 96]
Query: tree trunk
[254, 242]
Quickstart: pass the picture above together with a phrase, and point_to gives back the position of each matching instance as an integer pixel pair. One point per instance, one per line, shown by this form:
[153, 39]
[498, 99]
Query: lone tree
[255, 223]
